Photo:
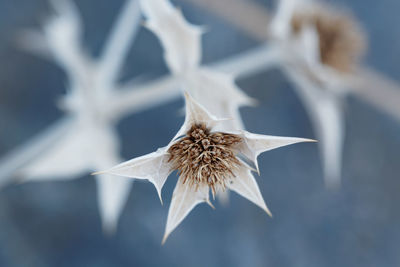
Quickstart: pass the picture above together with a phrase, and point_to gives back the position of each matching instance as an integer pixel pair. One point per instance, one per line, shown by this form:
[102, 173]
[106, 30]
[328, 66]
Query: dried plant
[318, 48]
[95, 101]
[205, 159]
[341, 40]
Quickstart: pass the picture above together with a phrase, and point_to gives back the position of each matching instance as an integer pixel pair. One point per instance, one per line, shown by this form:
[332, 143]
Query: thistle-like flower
[206, 159]
[320, 48]
[182, 46]
[341, 40]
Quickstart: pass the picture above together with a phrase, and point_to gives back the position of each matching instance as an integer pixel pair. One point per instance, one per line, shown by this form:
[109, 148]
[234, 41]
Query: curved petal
[210, 88]
[255, 144]
[184, 199]
[325, 110]
[196, 113]
[153, 167]
[245, 185]
[181, 40]
[113, 192]
[61, 160]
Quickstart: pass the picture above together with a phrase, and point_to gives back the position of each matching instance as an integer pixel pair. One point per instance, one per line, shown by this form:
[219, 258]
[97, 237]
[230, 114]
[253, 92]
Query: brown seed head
[341, 40]
[207, 158]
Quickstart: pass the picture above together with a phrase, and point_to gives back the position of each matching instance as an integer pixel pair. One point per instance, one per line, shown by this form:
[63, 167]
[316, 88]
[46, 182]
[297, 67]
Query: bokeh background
[58, 223]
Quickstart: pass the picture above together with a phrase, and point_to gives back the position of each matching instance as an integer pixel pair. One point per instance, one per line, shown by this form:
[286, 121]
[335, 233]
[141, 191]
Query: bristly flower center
[341, 40]
[205, 158]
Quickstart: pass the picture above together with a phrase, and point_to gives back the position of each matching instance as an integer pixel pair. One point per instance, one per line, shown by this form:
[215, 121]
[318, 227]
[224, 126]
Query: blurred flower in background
[119, 91]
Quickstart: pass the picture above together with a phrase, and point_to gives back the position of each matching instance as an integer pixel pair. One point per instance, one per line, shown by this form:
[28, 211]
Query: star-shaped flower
[182, 46]
[90, 141]
[205, 159]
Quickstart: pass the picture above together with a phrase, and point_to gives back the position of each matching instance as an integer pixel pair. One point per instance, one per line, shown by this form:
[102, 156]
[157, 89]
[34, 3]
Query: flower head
[341, 40]
[205, 160]
[319, 48]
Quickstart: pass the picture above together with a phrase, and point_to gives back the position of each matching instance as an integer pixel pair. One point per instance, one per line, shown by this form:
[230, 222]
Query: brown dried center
[203, 157]
[341, 41]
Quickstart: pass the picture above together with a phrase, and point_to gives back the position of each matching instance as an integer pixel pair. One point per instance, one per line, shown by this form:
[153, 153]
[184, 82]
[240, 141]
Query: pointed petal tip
[268, 212]
[99, 172]
[257, 170]
[160, 197]
[311, 140]
[265, 208]
[210, 204]
[165, 237]
[187, 95]
[304, 140]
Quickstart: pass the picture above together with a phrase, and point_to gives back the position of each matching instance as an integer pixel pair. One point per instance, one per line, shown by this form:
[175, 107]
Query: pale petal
[153, 167]
[324, 108]
[280, 25]
[255, 144]
[67, 159]
[184, 199]
[330, 131]
[211, 88]
[196, 113]
[19, 157]
[307, 46]
[82, 150]
[245, 185]
[63, 33]
[113, 192]
[180, 40]
[77, 152]
[119, 42]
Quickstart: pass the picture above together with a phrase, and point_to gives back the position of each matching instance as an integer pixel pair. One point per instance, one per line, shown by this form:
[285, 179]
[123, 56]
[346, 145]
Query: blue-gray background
[58, 224]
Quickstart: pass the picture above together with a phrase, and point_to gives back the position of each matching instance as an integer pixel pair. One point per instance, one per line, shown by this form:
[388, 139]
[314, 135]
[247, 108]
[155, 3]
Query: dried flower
[182, 46]
[91, 91]
[181, 41]
[205, 159]
[341, 40]
[319, 48]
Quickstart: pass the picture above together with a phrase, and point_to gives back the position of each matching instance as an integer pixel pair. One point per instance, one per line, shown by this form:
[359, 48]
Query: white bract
[91, 141]
[157, 166]
[320, 86]
[182, 52]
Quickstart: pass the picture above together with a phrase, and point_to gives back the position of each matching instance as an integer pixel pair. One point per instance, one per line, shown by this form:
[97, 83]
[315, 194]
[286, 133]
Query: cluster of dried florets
[205, 158]
[341, 40]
